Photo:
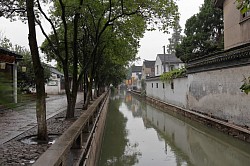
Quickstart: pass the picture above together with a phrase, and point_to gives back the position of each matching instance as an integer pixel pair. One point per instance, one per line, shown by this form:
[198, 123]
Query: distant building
[236, 25]
[8, 69]
[166, 63]
[55, 85]
[148, 69]
[136, 77]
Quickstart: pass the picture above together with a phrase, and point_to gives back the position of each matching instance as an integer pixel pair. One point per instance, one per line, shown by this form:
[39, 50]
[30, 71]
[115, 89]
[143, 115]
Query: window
[52, 83]
[172, 85]
[157, 69]
[156, 85]
[163, 86]
[152, 85]
[246, 15]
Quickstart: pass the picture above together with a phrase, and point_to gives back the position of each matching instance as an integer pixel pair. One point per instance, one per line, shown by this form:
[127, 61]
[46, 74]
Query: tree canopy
[243, 5]
[175, 38]
[203, 33]
[89, 35]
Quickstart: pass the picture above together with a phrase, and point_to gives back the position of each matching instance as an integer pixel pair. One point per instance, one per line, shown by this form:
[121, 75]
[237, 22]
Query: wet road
[15, 122]
[138, 134]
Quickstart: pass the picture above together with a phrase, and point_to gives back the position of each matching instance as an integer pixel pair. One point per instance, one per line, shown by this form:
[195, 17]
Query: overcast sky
[151, 44]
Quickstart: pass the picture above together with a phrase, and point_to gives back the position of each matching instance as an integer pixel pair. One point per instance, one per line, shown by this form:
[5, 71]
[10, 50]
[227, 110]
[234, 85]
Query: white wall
[218, 93]
[54, 85]
[215, 92]
[160, 67]
[176, 96]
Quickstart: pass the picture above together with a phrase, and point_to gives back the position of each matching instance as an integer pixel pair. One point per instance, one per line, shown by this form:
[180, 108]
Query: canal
[138, 134]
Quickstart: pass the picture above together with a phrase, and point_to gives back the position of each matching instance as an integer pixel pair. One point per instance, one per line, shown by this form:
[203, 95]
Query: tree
[39, 74]
[175, 39]
[203, 33]
[88, 21]
[25, 11]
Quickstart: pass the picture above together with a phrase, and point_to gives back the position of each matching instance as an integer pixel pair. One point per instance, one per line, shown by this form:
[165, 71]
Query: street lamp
[2, 65]
[24, 69]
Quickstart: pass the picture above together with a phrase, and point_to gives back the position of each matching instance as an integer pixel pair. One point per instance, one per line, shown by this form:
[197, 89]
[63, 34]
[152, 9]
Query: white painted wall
[176, 96]
[158, 66]
[218, 93]
[53, 86]
[214, 92]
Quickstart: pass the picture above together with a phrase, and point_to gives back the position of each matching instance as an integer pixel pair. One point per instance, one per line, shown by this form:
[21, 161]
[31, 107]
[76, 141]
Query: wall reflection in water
[138, 134]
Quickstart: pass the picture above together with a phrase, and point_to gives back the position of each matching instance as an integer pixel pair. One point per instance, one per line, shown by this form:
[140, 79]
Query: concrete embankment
[220, 124]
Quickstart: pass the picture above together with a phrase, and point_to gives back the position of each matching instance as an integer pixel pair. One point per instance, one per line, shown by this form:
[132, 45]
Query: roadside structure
[166, 63]
[55, 84]
[8, 70]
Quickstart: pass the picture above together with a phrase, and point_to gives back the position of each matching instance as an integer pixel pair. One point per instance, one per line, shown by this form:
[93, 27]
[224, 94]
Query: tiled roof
[169, 58]
[10, 53]
[149, 64]
[136, 69]
[55, 71]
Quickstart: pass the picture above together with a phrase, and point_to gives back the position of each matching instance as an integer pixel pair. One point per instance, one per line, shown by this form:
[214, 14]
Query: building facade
[236, 25]
[8, 71]
[136, 77]
[55, 85]
[166, 63]
[148, 69]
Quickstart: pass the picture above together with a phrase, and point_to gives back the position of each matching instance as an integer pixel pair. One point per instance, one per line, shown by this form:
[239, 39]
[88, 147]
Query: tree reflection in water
[116, 148]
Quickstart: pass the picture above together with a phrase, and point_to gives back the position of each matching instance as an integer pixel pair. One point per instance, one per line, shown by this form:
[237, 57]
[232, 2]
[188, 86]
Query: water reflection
[138, 134]
[116, 148]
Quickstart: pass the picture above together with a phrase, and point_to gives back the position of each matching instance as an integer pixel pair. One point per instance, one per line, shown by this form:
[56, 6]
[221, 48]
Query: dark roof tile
[136, 69]
[149, 64]
[169, 58]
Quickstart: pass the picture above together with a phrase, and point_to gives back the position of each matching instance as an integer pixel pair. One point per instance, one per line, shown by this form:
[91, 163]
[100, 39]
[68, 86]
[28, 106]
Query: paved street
[14, 122]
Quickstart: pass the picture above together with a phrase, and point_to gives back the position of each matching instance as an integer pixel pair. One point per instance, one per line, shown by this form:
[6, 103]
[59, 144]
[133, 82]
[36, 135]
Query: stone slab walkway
[15, 122]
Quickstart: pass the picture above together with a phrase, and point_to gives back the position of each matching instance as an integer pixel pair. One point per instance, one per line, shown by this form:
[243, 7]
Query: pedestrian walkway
[15, 122]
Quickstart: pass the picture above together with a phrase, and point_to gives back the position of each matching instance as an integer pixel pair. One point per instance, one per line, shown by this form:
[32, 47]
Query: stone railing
[238, 56]
[76, 144]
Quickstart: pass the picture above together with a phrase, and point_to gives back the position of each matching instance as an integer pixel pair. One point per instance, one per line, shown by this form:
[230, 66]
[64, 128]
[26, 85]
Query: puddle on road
[32, 140]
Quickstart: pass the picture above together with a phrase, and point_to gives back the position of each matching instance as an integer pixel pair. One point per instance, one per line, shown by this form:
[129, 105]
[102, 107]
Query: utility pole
[164, 53]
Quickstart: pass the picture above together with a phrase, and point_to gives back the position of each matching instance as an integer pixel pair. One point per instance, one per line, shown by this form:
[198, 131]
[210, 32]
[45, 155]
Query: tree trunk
[89, 93]
[85, 86]
[39, 74]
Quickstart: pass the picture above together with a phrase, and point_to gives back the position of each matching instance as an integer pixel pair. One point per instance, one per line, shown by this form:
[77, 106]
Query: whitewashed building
[55, 85]
[136, 77]
[166, 63]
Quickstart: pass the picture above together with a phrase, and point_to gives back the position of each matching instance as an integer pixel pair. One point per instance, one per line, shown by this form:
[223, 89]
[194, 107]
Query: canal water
[138, 134]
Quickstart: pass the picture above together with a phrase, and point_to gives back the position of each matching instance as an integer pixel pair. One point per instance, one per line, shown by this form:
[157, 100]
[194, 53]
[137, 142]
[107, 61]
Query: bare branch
[50, 42]
[50, 21]
[65, 31]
